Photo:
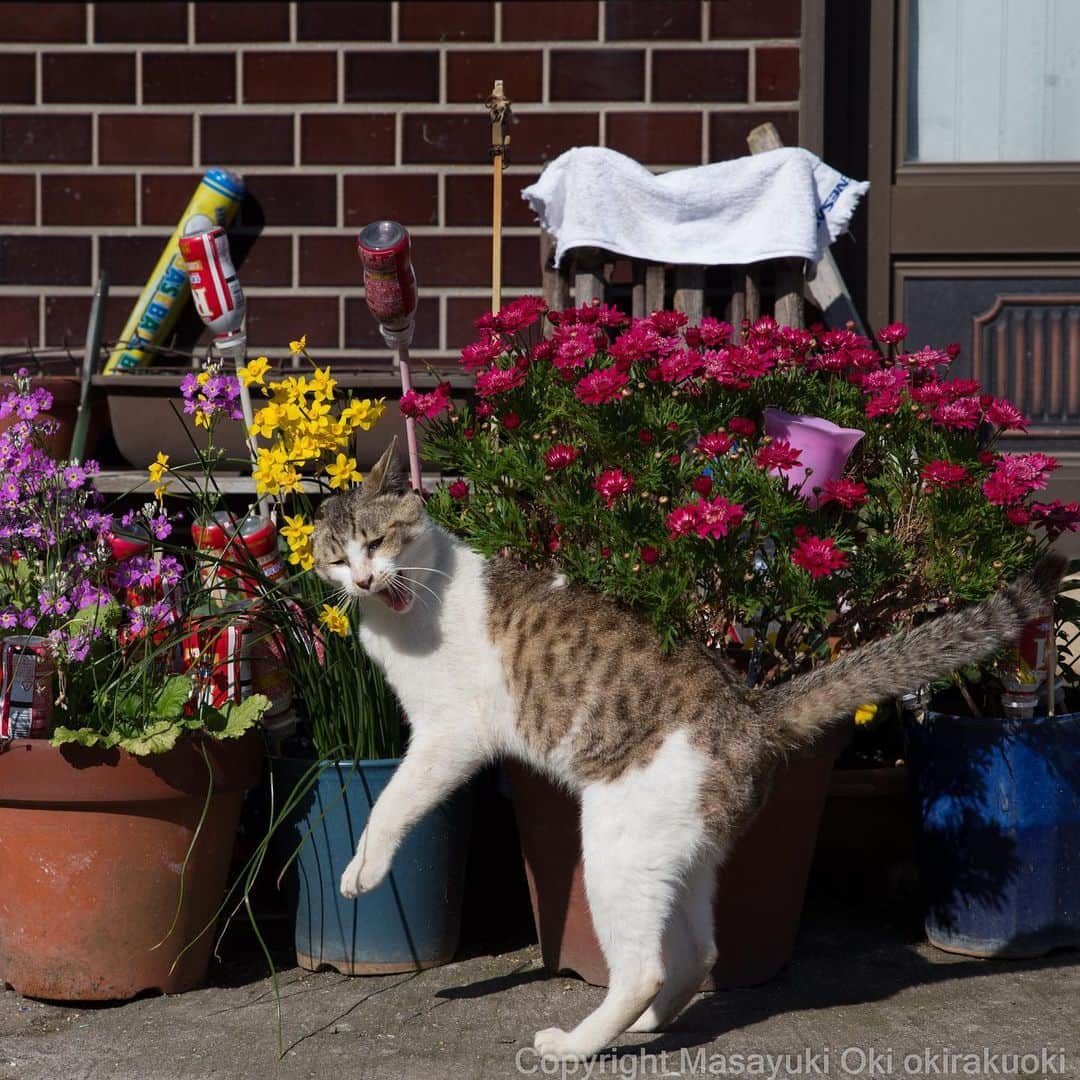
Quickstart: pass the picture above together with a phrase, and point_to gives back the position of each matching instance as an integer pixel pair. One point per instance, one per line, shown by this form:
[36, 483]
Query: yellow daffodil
[202, 419]
[322, 385]
[864, 714]
[335, 620]
[161, 491]
[296, 530]
[343, 472]
[158, 468]
[303, 555]
[298, 346]
[254, 372]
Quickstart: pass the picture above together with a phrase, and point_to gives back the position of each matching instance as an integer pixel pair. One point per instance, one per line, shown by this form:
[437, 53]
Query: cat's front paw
[364, 872]
[555, 1043]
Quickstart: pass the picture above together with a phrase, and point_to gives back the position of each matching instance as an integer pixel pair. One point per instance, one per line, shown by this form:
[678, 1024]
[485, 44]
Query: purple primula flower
[9, 619]
[28, 619]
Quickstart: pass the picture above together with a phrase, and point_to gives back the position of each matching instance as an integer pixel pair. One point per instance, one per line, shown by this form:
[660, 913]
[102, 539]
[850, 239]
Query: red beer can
[389, 280]
[215, 288]
[230, 544]
[231, 662]
[27, 674]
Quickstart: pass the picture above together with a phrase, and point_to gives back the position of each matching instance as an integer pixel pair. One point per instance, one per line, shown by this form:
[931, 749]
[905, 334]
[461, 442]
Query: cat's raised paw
[362, 874]
[555, 1043]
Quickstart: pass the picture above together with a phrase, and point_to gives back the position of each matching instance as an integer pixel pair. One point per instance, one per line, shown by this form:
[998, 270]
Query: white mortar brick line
[399, 139]
[191, 24]
[138, 199]
[239, 75]
[296, 120]
[90, 24]
[442, 62]
[37, 201]
[440, 199]
[139, 57]
[545, 75]
[196, 139]
[39, 77]
[341, 321]
[339, 197]
[647, 99]
[294, 264]
[412, 108]
[705, 149]
[498, 23]
[95, 134]
[41, 341]
[688, 45]
[341, 77]
[601, 128]
[394, 23]
[706, 17]
[601, 21]
[293, 19]
[751, 76]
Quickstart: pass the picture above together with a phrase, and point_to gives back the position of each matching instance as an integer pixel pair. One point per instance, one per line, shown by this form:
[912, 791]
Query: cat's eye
[374, 545]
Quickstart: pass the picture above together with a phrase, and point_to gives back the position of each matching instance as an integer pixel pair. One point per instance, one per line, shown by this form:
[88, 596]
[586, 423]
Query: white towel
[782, 203]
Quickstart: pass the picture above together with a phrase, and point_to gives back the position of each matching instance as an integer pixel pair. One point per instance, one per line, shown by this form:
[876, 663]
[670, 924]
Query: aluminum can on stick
[215, 287]
[27, 677]
[389, 280]
[218, 196]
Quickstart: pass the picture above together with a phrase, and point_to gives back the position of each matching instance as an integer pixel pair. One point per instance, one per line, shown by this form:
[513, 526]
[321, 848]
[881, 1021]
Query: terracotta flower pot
[90, 861]
[759, 892]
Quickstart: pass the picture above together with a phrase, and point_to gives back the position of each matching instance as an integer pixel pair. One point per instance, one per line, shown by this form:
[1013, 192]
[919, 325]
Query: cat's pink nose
[362, 582]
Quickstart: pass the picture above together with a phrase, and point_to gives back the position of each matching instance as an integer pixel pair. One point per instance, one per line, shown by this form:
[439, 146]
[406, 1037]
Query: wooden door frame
[1023, 210]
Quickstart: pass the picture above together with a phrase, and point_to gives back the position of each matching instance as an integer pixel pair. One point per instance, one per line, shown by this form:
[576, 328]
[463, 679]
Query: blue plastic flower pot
[413, 919]
[998, 805]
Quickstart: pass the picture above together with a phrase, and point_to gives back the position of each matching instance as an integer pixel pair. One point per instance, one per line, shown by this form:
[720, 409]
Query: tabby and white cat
[670, 754]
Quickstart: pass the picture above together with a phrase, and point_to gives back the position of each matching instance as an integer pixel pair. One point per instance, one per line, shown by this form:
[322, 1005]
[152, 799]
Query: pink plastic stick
[410, 422]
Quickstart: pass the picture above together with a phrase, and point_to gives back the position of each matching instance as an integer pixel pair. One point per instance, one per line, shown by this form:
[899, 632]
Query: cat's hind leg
[689, 947]
[640, 837]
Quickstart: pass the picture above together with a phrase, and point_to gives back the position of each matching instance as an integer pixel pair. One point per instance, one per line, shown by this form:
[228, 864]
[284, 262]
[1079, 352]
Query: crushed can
[27, 687]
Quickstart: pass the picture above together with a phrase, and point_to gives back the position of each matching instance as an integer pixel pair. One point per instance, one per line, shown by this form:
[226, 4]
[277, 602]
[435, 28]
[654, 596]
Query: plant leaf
[170, 700]
[155, 739]
[233, 720]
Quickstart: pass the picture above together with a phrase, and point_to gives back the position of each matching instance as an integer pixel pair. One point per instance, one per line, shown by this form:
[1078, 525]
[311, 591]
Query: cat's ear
[384, 477]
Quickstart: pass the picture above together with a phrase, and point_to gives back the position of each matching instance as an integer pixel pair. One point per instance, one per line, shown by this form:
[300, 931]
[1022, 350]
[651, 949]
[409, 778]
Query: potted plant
[118, 830]
[669, 466]
[995, 777]
[349, 739]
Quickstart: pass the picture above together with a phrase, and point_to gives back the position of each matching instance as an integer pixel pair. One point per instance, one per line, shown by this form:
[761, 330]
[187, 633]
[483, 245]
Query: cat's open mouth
[394, 599]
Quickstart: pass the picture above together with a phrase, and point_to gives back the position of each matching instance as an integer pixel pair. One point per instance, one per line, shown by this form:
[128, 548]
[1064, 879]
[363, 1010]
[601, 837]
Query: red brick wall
[338, 113]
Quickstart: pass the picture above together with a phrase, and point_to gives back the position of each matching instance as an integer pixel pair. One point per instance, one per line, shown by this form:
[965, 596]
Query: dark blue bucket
[413, 919]
[998, 803]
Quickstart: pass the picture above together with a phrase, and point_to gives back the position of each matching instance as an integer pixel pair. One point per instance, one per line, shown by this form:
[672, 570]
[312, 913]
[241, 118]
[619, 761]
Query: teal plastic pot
[413, 919]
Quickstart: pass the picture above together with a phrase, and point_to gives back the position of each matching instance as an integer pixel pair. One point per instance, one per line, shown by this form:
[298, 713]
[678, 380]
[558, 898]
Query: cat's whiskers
[428, 569]
[416, 583]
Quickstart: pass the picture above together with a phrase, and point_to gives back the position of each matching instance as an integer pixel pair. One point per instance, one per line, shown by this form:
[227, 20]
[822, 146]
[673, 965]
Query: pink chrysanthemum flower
[499, 380]
[892, 334]
[426, 405]
[717, 517]
[601, 386]
[742, 426]
[682, 520]
[1005, 415]
[963, 414]
[779, 455]
[1056, 517]
[560, 456]
[715, 445]
[612, 483]
[818, 557]
[944, 474]
[1015, 475]
[481, 353]
[848, 493]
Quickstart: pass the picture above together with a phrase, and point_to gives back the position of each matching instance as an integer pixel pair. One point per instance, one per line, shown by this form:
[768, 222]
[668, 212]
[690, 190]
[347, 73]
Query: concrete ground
[862, 997]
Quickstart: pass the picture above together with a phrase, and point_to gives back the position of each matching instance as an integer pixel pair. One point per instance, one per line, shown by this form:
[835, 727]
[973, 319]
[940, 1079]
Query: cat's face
[368, 541]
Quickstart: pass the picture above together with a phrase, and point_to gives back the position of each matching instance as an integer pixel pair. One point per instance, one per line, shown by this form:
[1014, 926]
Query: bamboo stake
[498, 104]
